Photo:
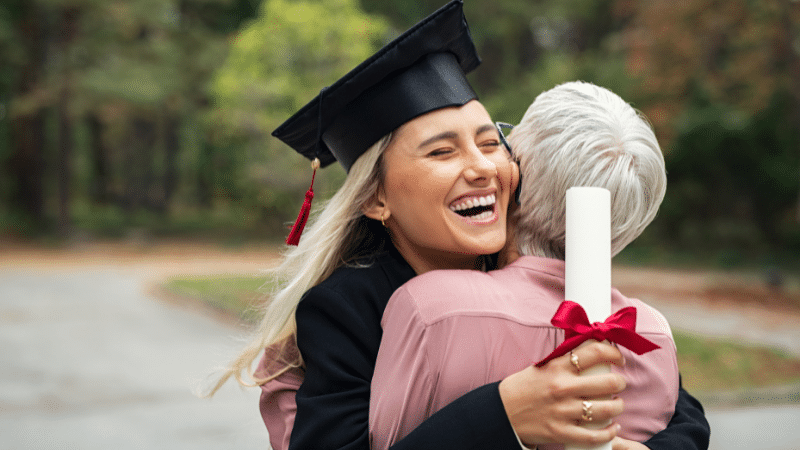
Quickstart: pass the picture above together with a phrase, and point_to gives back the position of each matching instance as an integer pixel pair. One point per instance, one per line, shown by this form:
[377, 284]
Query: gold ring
[574, 360]
[587, 411]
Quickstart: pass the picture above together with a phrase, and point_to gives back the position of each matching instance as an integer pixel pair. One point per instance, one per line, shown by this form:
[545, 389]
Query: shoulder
[457, 279]
[358, 289]
[648, 318]
[338, 320]
[437, 293]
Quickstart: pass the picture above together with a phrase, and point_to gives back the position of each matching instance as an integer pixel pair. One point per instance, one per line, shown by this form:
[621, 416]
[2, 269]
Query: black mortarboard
[420, 71]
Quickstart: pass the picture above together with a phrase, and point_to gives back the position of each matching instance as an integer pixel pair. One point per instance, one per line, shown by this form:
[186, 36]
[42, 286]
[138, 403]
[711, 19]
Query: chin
[487, 247]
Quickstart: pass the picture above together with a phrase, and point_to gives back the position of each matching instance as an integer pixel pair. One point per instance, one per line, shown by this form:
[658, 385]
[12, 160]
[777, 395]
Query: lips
[477, 207]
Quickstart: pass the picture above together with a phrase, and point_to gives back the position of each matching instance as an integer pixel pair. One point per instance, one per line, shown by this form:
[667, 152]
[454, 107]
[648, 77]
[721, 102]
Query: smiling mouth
[475, 208]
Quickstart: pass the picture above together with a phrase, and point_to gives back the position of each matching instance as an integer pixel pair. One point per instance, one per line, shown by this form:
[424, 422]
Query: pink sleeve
[652, 378]
[277, 402]
[402, 383]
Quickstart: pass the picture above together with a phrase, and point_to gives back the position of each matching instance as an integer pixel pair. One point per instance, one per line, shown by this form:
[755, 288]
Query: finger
[582, 436]
[619, 444]
[600, 411]
[594, 386]
[597, 353]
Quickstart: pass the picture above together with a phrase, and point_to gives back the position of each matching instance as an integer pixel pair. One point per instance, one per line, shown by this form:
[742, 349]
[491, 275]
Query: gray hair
[579, 134]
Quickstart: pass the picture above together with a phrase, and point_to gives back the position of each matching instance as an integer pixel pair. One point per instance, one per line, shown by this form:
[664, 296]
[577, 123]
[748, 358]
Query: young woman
[428, 185]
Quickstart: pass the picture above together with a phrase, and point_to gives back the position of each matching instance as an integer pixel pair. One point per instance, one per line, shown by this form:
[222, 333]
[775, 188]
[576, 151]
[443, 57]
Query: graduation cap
[422, 70]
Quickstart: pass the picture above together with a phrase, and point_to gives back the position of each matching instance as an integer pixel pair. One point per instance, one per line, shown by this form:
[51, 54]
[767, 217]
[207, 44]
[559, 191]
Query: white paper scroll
[588, 263]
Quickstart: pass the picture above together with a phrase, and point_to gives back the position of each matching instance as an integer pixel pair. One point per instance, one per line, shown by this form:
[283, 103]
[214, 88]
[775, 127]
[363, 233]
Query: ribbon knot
[619, 328]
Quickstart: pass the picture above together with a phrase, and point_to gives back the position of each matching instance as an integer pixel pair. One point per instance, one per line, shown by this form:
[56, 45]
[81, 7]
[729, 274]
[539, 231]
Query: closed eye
[491, 145]
[440, 152]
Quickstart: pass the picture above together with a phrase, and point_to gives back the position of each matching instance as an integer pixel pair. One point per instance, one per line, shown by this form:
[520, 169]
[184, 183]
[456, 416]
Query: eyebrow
[452, 135]
[485, 128]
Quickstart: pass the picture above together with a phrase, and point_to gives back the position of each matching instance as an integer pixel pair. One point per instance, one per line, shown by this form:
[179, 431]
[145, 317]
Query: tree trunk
[205, 175]
[792, 30]
[139, 164]
[788, 53]
[98, 154]
[67, 31]
[171, 149]
[26, 165]
[63, 165]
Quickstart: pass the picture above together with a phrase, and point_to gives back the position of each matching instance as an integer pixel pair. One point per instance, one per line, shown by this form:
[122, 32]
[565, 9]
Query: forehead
[459, 119]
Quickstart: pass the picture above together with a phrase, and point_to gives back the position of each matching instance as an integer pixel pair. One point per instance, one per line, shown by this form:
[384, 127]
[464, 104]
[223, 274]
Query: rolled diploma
[587, 279]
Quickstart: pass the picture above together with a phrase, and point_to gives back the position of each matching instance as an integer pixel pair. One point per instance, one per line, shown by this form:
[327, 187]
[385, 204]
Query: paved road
[91, 361]
[770, 418]
[756, 428]
[741, 325]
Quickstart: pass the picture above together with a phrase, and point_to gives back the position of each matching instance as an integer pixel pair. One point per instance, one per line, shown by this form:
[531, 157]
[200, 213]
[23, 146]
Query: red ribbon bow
[619, 328]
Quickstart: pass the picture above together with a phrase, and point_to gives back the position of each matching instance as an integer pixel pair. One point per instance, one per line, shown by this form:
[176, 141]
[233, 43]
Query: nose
[479, 167]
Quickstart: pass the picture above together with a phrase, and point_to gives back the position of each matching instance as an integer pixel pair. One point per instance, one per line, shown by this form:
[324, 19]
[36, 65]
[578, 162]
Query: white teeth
[487, 200]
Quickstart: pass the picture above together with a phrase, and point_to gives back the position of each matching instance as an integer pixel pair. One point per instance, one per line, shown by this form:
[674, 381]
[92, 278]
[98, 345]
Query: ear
[377, 208]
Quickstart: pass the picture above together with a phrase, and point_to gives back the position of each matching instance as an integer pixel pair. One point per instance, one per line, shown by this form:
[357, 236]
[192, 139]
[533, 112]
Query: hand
[623, 444]
[545, 405]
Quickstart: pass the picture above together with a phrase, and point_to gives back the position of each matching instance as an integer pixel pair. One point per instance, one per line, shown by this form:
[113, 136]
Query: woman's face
[446, 188]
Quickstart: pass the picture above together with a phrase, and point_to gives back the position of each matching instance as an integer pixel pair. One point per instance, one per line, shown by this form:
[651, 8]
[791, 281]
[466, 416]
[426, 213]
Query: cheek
[508, 174]
[421, 183]
[405, 198]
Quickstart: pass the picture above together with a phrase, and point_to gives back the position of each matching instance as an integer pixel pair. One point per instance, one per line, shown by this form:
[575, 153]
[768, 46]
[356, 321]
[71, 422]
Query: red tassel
[302, 218]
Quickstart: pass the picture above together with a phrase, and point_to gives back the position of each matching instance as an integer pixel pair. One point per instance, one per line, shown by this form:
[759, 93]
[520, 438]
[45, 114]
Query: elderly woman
[427, 188]
[448, 331]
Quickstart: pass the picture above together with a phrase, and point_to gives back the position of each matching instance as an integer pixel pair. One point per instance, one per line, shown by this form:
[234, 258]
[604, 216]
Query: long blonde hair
[339, 234]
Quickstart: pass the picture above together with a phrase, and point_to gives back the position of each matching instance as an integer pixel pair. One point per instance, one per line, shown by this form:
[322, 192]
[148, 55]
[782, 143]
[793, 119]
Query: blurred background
[141, 194]
[152, 118]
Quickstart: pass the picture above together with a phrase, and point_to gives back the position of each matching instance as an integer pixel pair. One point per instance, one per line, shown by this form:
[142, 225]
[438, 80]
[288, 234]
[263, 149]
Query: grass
[707, 365]
[235, 296]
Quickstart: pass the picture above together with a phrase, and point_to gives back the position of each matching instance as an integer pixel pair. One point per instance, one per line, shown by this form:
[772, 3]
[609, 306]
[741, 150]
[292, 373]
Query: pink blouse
[277, 402]
[448, 332]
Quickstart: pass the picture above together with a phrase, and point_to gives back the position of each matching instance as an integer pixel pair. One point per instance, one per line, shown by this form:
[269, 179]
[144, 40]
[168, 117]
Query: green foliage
[280, 60]
[733, 178]
[127, 77]
[170, 104]
[277, 63]
[709, 365]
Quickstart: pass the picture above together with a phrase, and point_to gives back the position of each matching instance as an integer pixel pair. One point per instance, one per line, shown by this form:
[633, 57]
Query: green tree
[121, 83]
[23, 42]
[277, 64]
[719, 82]
[529, 46]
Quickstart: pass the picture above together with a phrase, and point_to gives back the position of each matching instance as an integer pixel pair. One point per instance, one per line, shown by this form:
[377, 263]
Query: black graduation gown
[339, 333]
